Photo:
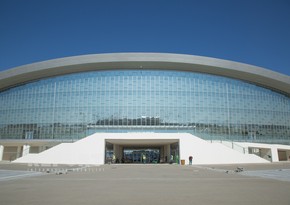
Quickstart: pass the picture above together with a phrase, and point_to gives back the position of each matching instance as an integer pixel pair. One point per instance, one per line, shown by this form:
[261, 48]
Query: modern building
[143, 108]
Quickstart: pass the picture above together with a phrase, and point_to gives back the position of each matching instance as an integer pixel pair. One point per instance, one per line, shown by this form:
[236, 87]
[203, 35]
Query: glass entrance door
[141, 155]
[174, 153]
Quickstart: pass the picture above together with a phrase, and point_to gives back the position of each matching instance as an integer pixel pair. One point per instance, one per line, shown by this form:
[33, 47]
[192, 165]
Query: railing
[237, 147]
[232, 145]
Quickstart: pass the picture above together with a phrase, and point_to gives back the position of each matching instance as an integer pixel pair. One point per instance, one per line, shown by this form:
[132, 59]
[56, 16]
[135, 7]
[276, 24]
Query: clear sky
[256, 32]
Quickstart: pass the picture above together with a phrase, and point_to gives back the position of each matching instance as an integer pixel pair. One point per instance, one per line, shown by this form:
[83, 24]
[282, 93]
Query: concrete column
[274, 154]
[25, 150]
[162, 156]
[168, 152]
[18, 154]
[117, 151]
[1, 152]
[120, 152]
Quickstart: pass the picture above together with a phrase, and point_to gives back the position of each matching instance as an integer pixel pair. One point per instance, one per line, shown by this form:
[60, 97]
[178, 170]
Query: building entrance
[142, 151]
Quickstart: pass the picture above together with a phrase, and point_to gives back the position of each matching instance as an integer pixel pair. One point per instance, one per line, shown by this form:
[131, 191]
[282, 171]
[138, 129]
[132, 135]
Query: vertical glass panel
[212, 107]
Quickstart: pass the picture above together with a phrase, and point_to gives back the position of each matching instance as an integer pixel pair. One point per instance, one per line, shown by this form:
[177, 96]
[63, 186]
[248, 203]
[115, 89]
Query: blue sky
[256, 32]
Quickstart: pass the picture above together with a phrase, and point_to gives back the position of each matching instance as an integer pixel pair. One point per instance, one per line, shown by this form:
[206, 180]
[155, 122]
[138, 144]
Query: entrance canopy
[142, 142]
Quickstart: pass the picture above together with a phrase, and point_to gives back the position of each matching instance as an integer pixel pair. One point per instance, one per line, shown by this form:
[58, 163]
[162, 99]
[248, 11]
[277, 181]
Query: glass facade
[211, 107]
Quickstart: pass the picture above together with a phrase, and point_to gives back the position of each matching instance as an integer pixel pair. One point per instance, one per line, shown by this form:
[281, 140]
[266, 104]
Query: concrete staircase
[90, 150]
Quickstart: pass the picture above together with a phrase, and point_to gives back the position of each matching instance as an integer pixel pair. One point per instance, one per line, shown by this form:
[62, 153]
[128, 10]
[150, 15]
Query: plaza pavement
[145, 184]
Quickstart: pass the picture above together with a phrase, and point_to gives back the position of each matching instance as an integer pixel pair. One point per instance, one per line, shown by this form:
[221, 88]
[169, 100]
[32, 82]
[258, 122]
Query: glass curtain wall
[211, 107]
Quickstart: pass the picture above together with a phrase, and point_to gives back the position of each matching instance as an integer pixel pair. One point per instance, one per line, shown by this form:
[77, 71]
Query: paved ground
[278, 171]
[6, 175]
[147, 184]
[281, 174]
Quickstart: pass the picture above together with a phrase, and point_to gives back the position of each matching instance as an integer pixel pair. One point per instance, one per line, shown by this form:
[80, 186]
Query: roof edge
[114, 61]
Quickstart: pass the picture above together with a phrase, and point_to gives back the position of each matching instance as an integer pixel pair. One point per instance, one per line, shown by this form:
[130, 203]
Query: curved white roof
[161, 61]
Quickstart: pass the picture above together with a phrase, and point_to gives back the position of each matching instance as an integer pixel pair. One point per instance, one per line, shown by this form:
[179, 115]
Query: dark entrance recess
[145, 151]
